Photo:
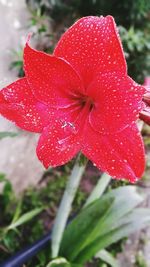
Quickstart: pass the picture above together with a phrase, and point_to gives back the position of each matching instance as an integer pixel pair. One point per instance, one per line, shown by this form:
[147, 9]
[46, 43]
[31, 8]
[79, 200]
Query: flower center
[86, 101]
[84, 105]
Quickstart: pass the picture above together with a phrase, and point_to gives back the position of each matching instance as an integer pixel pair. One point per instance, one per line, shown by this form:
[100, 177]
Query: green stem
[99, 188]
[65, 206]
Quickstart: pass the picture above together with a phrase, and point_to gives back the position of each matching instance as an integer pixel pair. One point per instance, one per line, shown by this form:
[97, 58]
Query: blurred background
[20, 169]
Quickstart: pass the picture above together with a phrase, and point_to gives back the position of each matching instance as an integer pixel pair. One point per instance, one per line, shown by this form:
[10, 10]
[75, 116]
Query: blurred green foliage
[31, 226]
[47, 195]
[140, 261]
[126, 12]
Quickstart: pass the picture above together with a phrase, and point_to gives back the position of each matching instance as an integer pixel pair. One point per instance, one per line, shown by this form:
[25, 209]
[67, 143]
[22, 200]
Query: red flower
[81, 99]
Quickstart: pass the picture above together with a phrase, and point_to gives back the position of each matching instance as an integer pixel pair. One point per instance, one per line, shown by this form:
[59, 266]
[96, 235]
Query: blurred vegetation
[26, 218]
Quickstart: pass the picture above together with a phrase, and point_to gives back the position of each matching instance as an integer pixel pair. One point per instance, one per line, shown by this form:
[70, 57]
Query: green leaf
[7, 189]
[25, 218]
[7, 134]
[107, 257]
[79, 229]
[98, 219]
[99, 188]
[59, 262]
[17, 212]
[2, 177]
[121, 206]
[62, 262]
[135, 220]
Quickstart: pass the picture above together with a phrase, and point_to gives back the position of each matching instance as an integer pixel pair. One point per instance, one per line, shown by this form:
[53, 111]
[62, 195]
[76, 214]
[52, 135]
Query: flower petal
[121, 154]
[92, 45]
[52, 80]
[117, 99]
[18, 104]
[58, 144]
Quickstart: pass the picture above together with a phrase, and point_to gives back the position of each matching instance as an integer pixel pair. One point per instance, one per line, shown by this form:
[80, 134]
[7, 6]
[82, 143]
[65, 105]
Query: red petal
[58, 144]
[52, 80]
[92, 45]
[117, 99]
[18, 104]
[121, 154]
[2, 99]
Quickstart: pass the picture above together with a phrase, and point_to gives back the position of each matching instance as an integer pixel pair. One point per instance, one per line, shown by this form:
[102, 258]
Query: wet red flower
[81, 99]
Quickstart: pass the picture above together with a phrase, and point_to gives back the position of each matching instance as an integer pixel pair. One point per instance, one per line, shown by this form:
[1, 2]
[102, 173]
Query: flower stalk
[66, 205]
[99, 188]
